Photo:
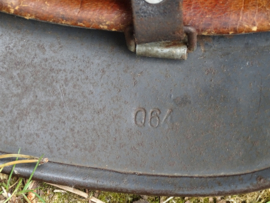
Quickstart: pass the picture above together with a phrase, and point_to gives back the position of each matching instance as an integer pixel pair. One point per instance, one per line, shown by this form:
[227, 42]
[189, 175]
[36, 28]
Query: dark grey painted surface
[73, 94]
[145, 184]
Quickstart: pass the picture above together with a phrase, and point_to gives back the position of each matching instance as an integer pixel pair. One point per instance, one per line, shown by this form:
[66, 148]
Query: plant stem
[15, 191]
[18, 162]
[10, 175]
[30, 178]
[26, 198]
[4, 156]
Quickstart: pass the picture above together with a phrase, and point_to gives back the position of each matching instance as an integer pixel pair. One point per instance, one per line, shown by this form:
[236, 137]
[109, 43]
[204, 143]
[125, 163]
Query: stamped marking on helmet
[153, 117]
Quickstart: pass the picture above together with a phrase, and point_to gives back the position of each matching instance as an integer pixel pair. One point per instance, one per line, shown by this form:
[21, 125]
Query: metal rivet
[153, 1]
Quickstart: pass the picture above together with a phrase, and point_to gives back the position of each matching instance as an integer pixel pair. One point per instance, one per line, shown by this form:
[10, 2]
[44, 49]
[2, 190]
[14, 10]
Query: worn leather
[208, 17]
[112, 15]
[211, 17]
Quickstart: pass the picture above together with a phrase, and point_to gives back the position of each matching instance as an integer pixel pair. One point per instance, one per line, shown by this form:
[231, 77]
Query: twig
[260, 194]
[70, 189]
[60, 191]
[13, 184]
[168, 199]
[4, 156]
[45, 160]
[77, 192]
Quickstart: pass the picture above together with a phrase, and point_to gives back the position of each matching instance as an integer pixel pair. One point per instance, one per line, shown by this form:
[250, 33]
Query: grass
[8, 191]
[52, 194]
[15, 189]
[110, 197]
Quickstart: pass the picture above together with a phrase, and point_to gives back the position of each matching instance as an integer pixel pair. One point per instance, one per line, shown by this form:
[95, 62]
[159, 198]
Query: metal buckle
[158, 30]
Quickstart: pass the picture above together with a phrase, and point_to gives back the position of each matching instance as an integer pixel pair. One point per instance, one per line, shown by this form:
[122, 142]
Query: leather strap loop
[158, 22]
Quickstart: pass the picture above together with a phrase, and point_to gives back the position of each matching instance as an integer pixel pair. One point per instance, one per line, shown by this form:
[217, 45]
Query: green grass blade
[19, 184]
[10, 175]
[26, 185]
[30, 178]
[8, 198]
[5, 185]
[15, 191]
[40, 198]
[26, 198]
[24, 191]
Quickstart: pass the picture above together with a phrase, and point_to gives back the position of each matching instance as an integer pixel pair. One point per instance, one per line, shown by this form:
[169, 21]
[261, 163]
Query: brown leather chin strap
[211, 17]
[208, 17]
